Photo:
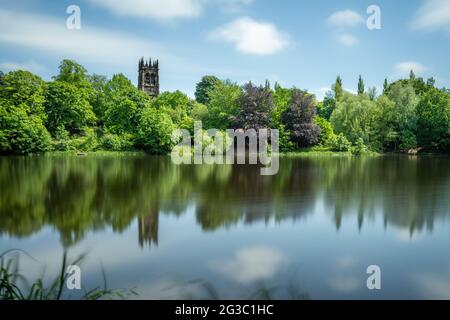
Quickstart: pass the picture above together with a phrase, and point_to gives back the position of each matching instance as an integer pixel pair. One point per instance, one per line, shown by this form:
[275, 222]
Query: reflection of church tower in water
[148, 229]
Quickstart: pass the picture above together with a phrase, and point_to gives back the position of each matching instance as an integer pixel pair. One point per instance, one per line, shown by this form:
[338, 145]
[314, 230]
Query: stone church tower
[148, 80]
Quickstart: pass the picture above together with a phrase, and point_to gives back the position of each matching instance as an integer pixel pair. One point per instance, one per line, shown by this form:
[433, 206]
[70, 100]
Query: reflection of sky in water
[311, 253]
[317, 231]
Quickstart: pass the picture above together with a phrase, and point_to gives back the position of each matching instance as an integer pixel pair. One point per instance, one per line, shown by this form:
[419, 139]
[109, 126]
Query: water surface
[225, 231]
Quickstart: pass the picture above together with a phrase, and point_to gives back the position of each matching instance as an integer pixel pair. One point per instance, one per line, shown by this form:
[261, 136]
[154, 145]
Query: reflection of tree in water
[409, 193]
[76, 195]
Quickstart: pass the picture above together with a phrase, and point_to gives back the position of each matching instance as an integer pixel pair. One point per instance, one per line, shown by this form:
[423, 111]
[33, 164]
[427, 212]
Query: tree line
[83, 112]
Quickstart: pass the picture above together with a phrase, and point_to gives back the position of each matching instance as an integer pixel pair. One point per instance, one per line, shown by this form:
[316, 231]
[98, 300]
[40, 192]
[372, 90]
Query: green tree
[99, 100]
[372, 93]
[178, 106]
[73, 73]
[67, 106]
[22, 114]
[22, 88]
[361, 88]
[385, 85]
[20, 132]
[299, 119]
[399, 118]
[326, 131]
[223, 103]
[356, 116]
[338, 89]
[326, 107]
[433, 113]
[155, 131]
[204, 87]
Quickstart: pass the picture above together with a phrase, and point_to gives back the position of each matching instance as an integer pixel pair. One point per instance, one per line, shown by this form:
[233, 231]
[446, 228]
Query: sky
[301, 43]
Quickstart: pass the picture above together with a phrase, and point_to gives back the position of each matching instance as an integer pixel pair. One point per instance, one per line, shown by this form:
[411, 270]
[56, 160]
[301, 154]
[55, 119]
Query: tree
[22, 88]
[356, 116]
[431, 82]
[299, 119]
[72, 72]
[361, 88]
[155, 131]
[22, 114]
[338, 89]
[67, 107]
[123, 105]
[204, 87]
[223, 104]
[385, 85]
[20, 132]
[399, 118]
[325, 109]
[99, 100]
[372, 93]
[326, 131]
[433, 113]
[254, 108]
[178, 106]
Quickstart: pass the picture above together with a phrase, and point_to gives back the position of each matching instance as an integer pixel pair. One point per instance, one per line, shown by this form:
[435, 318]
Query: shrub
[340, 143]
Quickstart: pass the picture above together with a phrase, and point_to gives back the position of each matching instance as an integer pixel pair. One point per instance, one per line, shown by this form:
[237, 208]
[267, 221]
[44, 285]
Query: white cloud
[433, 14]
[346, 39]
[28, 65]
[404, 68]
[251, 264]
[252, 37]
[50, 35]
[345, 18]
[154, 9]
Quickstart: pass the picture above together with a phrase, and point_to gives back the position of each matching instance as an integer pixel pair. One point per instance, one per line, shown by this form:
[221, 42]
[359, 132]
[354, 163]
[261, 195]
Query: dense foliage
[82, 112]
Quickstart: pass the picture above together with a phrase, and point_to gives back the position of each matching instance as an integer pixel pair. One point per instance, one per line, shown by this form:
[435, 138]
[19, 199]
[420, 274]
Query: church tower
[148, 80]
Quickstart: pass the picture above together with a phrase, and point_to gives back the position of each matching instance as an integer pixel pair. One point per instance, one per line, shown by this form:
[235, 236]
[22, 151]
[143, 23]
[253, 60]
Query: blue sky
[297, 43]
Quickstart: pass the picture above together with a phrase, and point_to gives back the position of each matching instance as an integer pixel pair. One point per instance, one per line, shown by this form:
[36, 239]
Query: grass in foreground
[10, 276]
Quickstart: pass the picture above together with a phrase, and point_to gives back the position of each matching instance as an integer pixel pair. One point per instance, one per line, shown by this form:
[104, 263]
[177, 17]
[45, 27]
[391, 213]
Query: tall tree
[372, 93]
[361, 88]
[433, 113]
[203, 88]
[356, 116]
[385, 85]
[22, 114]
[338, 89]
[223, 103]
[299, 119]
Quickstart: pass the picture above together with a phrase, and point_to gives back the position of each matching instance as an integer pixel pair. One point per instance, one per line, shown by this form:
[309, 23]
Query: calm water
[185, 231]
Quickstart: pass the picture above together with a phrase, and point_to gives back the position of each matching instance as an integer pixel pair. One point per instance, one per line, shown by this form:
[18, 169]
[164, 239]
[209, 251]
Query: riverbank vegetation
[14, 285]
[80, 112]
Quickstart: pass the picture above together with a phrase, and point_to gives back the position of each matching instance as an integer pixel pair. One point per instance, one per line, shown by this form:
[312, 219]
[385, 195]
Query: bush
[326, 133]
[359, 148]
[155, 131]
[114, 142]
[340, 143]
[21, 133]
[86, 142]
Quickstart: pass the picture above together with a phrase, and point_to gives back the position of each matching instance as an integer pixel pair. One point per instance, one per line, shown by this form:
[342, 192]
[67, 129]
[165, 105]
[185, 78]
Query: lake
[225, 231]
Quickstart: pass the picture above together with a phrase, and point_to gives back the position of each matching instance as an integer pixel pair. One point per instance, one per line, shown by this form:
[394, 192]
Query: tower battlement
[148, 80]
